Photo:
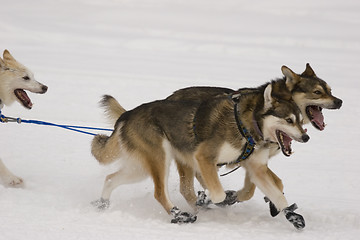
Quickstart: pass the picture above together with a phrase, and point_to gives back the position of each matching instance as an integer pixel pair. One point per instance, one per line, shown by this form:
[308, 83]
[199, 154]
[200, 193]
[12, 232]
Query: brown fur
[301, 87]
[193, 133]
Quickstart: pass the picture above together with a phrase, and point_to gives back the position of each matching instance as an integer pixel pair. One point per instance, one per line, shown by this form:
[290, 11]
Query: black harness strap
[249, 145]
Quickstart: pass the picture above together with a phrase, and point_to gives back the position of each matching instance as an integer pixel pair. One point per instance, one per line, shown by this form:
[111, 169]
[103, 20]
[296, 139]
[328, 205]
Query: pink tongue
[24, 97]
[318, 118]
[287, 140]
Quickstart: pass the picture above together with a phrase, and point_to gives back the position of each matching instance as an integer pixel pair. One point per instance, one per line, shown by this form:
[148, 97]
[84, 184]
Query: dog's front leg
[264, 180]
[273, 210]
[8, 178]
[247, 192]
[208, 169]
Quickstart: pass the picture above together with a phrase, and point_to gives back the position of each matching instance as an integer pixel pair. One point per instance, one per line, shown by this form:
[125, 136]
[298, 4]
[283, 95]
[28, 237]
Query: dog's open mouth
[285, 142]
[316, 117]
[24, 98]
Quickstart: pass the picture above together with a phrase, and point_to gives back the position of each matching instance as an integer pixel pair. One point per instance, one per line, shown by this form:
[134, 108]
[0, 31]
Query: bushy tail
[107, 149]
[113, 109]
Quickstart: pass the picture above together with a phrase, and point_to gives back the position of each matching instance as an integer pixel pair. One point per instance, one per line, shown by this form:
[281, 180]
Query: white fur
[169, 155]
[228, 153]
[257, 168]
[132, 171]
[267, 97]
[273, 123]
[11, 78]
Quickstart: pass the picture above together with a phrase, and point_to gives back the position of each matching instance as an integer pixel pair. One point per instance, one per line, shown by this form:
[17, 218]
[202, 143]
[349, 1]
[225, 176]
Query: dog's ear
[7, 56]
[309, 72]
[291, 77]
[2, 64]
[267, 96]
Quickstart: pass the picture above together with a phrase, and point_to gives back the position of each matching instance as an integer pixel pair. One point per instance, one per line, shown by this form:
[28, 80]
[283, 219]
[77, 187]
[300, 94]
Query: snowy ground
[142, 50]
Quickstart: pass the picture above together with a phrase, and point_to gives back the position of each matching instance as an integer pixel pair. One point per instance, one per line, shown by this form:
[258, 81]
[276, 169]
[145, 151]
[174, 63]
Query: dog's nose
[338, 103]
[305, 138]
[44, 89]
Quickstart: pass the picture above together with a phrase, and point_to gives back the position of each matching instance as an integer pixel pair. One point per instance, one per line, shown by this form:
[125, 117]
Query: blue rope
[4, 119]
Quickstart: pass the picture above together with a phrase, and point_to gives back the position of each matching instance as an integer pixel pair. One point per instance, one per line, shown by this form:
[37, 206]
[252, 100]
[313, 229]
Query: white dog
[15, 78]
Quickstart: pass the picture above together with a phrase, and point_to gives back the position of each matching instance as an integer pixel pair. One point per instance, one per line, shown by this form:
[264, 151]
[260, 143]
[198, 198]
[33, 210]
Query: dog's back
[198, 93]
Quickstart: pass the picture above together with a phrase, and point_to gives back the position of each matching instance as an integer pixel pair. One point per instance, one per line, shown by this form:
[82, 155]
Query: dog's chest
[262, 154]
[228, 153]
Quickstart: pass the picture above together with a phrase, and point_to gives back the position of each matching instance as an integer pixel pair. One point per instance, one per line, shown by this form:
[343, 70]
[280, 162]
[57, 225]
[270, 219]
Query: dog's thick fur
[308, 91]
[199, 135]
[15, 78]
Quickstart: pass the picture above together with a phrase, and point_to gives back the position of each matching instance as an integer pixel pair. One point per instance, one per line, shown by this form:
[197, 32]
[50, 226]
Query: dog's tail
[104, 148]
[113, 109]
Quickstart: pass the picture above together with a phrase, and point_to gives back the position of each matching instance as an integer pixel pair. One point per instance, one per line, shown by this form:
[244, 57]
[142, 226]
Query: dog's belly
[228, 153]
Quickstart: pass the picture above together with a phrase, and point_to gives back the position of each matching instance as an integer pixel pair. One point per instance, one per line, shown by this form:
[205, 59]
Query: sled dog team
[202, 129]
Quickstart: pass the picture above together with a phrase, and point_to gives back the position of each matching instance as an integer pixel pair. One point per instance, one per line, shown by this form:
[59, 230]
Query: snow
[143, 50]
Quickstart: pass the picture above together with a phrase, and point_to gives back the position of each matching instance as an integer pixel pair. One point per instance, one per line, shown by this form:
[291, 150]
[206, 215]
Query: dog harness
[249, 145]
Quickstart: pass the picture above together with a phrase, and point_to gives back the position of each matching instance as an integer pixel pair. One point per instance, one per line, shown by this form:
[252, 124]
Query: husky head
[282, 122]
[15, 78]
[311, 94]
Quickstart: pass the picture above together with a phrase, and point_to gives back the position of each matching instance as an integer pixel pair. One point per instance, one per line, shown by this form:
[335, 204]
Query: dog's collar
[250, 143]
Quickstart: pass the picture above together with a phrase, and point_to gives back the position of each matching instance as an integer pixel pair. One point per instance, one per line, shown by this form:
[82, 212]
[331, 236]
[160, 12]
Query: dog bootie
[273, 209]
[101, 203]
[182, 217]
[230, 199]
[296, 219]
[202, 199]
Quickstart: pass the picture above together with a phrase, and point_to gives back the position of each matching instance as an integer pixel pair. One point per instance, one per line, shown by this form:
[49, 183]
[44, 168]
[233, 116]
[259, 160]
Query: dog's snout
[44, 89]
[305, 138]
[338, 103]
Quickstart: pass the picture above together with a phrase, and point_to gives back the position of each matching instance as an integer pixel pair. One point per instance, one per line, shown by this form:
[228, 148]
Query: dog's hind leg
[186, 175]
[159, 163]
[8, 178]
[126, 175]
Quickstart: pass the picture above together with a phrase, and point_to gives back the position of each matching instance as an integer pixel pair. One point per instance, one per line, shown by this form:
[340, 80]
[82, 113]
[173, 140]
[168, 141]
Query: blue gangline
[68, 127]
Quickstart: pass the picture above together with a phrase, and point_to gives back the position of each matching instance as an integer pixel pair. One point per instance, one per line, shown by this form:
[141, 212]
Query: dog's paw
[296, 219]
[182, 217]
[202, 200]
[231, 198]
[273, 209]
[14, 182]
[101, 204]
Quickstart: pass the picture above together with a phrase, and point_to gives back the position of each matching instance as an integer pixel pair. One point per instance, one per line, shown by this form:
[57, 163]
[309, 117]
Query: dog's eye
[26, 78]
[289, 120]
[317, 92]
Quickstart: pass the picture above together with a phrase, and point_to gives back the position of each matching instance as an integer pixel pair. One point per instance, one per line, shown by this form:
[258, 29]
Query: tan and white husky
[15, 78]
